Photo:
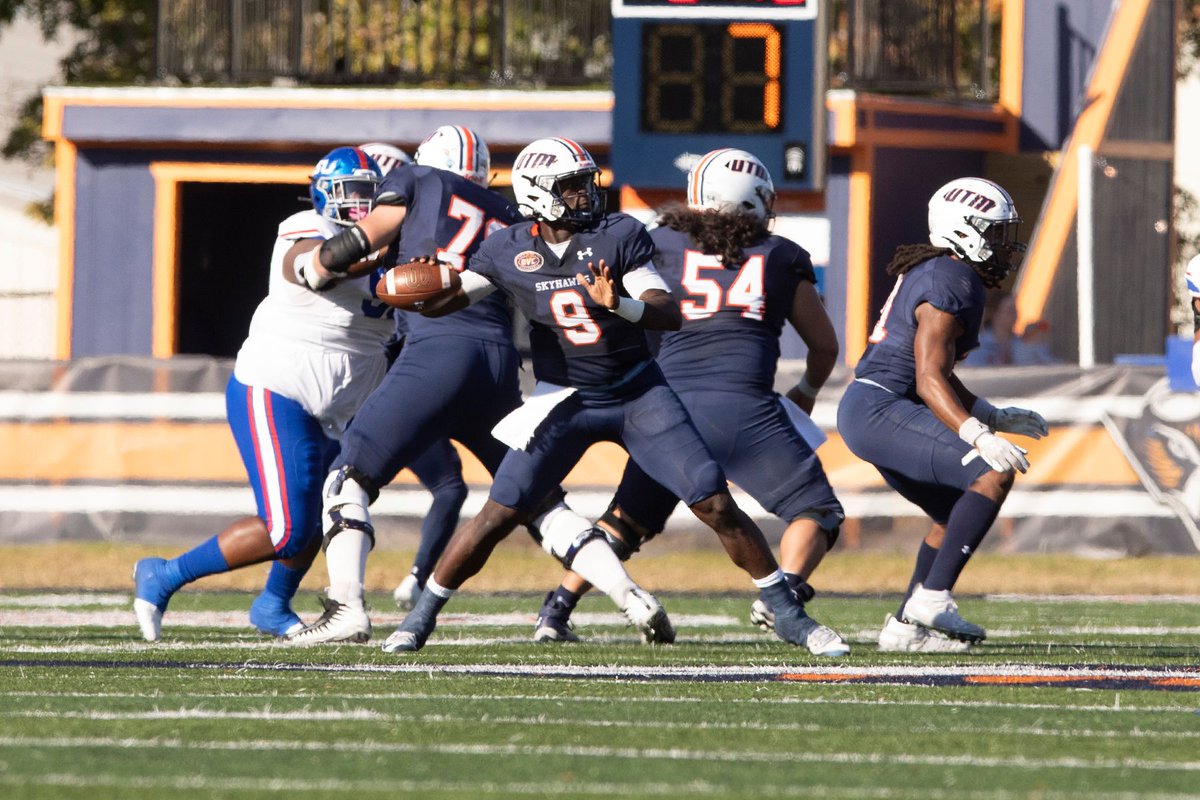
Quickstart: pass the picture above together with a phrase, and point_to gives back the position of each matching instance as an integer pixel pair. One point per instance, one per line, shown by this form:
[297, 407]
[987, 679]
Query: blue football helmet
[343, 184]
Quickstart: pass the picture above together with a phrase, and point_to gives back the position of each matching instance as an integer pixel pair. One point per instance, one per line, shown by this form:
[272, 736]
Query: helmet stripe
[467, 142]
[574, 147]
[362, 158]
[698, 180]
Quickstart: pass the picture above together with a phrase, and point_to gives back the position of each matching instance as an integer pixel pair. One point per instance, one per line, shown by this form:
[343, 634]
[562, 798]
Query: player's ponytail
[717, 233]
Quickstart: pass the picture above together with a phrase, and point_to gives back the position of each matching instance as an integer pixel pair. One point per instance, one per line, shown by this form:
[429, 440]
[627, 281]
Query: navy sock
[283, 582]
[423, 617]
[563, 601]
[800, 587]
[925, 557]
[779, 596]
[969, 522]
[204, 559]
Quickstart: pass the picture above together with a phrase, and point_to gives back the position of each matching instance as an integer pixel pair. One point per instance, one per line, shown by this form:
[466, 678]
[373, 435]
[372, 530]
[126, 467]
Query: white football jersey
[322, 349]
[1193, 276]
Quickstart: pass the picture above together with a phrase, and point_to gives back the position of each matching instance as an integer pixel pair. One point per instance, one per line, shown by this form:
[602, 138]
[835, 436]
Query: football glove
[1018, 420]
[1011, 419]
[1000, 454]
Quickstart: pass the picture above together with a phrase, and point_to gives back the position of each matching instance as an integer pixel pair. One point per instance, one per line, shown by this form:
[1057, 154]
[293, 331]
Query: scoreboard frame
[673, 103]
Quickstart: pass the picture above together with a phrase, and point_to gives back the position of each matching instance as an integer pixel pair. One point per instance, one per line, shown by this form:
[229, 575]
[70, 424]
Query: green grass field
[1084, 697]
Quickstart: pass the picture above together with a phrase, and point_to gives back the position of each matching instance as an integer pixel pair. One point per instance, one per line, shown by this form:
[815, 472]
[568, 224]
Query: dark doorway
[226, 238]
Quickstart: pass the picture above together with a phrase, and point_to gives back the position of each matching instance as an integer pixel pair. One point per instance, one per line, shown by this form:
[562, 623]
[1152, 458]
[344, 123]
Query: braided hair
[908, 256]
[718, 233]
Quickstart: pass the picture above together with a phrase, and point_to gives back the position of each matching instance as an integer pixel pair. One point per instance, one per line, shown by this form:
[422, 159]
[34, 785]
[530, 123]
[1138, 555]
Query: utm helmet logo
[528, 261]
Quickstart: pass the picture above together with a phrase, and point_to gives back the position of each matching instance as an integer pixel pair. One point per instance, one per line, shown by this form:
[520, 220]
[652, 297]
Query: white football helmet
[457, 149]
[1193, 276]
[387, 156]
[730, 180]
[978, 221]
[540, 172]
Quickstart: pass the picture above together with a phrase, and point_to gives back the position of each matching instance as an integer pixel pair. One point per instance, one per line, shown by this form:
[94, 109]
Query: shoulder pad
[306, 225]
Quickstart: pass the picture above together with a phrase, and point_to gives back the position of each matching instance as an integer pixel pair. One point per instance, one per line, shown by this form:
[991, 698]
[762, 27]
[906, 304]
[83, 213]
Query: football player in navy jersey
[587, 284]
[736, 284]
[438, 468]
[455, 377]
[314, 352]
[907, 413]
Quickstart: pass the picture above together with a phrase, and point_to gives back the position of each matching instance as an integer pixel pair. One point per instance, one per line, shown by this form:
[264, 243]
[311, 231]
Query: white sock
[597, 564]
[436, 589]
[769, 580]
[346, 560]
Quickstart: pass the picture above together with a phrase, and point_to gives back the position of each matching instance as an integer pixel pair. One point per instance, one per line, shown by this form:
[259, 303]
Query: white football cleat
[149, 619]
[645, 613]
[407, 593]
[938, 611]
[339, 623]
[907, 637]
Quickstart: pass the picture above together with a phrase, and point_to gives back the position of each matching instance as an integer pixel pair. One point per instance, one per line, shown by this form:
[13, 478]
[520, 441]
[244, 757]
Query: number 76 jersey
[732, 313]
[449, 217]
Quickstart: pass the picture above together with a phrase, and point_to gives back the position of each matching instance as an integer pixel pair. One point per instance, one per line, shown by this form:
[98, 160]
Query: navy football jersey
[575, 342]
[448, 216]
[732, 314]
[946, 284]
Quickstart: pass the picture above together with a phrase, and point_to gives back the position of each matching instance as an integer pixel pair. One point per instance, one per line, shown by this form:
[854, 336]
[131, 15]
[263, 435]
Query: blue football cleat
[150, 597]
[274, 616]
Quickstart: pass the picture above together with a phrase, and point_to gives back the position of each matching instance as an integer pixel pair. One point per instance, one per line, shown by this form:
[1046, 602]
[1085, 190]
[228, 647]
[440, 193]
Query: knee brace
[563, 532]
[626, 541]
[345, 498]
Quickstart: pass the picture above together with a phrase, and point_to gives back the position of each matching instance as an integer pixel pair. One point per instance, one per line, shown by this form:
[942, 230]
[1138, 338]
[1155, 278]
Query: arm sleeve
[476, 286]
[641, 280]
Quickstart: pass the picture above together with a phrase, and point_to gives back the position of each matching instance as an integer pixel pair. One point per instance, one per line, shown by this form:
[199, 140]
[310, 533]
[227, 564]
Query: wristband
[303, 267]
[971, 430]
[807, 389]
[628, 308]
[983, 410]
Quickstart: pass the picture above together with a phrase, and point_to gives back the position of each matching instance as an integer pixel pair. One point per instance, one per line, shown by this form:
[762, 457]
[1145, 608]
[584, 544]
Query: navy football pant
[915, 453]
[652, 427]
[759, 449]
[447, 387]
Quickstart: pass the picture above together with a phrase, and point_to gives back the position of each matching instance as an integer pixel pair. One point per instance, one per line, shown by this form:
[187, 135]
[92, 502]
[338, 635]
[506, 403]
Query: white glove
[1000, 454]
[1011, 419]
[306, 271]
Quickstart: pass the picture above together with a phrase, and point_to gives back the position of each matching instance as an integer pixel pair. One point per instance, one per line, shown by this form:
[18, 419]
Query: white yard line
[572, 721]
[394, 787]
[788, 756]
[566, 699]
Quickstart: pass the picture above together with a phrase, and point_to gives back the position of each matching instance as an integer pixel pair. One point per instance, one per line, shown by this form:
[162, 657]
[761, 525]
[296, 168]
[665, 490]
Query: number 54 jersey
[733, 314]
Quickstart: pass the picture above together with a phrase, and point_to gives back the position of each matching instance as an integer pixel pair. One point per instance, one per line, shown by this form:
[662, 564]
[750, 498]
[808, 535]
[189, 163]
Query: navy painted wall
[114, 236]
[1062, 39]
[904, 181]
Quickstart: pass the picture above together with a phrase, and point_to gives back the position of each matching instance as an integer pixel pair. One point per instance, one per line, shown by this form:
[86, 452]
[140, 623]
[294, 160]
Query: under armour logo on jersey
[582, 254]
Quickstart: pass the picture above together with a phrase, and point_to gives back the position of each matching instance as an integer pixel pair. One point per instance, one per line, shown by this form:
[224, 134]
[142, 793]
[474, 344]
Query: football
[414, 282]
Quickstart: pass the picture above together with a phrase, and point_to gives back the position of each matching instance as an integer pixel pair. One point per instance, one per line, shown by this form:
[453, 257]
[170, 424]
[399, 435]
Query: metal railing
[373, 42]
[928, 47]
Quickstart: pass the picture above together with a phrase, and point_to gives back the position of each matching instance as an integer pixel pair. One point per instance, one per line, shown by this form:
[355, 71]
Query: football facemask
[342, 186]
